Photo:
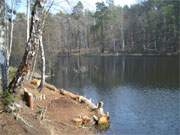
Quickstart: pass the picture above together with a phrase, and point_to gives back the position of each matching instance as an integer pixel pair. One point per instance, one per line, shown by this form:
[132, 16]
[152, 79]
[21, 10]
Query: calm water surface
[142, 94]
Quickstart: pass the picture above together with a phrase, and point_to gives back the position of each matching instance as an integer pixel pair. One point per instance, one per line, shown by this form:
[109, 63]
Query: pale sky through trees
[63, 5]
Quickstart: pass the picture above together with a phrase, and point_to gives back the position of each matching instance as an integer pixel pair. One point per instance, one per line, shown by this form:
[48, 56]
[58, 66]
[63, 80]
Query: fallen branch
[51, 87]
[79, 98]
[18, 117]
[1, 111]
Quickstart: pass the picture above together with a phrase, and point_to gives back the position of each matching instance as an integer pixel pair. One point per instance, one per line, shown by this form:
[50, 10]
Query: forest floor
[59, 112]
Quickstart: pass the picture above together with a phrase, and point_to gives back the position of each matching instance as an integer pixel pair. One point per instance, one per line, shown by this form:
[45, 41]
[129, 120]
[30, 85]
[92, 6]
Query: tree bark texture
[43, 63]
[31, 46]
[3, 48]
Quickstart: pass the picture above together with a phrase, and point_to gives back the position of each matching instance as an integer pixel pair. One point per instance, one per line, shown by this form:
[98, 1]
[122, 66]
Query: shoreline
[58, 111]
[120, 54]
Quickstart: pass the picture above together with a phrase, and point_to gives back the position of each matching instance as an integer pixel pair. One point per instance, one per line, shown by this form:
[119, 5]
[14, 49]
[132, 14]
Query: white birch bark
[3, 48]
[42, 62]
[27, 13]
[11, 33]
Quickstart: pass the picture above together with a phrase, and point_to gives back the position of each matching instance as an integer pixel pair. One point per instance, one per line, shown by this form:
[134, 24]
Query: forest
[149, 27]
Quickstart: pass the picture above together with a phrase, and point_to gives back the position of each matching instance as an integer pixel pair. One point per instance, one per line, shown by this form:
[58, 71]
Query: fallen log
[37, 82]
[79, 98]
[51, 87]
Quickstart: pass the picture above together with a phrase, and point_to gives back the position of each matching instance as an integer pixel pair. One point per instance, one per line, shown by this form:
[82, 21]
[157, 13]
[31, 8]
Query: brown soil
[61, 110]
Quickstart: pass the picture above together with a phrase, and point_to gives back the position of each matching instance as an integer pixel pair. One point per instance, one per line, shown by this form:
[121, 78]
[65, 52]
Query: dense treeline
[148, 27]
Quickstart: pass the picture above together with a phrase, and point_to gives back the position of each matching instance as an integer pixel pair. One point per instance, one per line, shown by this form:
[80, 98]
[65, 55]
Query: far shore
[117, 54]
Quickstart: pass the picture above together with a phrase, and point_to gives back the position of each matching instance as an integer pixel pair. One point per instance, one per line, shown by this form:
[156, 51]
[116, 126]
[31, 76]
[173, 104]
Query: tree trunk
[33, 65]
[4, 70]
[102, 37]
[43, 63]
[11, 33]
[122, 30]
[114, 45]
[3, 47]
[31, 47]
[27, 12]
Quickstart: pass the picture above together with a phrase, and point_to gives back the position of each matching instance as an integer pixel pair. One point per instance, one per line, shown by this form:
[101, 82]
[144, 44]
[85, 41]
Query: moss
[12, 72]
[8, 98]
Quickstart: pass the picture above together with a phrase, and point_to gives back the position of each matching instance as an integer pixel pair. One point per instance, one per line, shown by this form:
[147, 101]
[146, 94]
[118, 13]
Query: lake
[141, 93]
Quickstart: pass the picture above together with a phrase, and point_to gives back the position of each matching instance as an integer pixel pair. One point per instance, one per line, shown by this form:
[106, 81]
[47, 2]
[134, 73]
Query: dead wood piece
[69, 94]
[77, 121]
[1, 111]
[18, 117]
[28, 97]
[40, 98]
[83, 121]
[51, 87]
[88, 102]
[36, 82]
[79, 98]
[43, 113]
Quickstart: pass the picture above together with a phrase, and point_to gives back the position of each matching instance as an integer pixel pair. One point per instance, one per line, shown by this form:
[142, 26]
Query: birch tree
[31, 46]
[3, 49]
[11, 19]
[27, 14]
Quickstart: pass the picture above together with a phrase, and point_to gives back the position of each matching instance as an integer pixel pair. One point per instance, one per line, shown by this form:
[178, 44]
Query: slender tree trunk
[11, 33]
[122, 30]
[88, 37]
[145, 39]
[33, 65]
[43, 63]
[102, 37]
[27, 13]
[114, 45]
[4, 72]
[3, 47]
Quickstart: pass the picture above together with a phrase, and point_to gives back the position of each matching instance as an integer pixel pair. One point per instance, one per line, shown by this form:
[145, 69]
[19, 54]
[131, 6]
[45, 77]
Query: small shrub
[8, 98]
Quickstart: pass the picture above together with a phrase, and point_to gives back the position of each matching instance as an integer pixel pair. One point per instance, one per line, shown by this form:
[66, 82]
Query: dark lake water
[142, 94]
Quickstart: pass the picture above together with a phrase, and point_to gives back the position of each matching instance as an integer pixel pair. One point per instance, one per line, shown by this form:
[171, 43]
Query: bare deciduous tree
[31, 46]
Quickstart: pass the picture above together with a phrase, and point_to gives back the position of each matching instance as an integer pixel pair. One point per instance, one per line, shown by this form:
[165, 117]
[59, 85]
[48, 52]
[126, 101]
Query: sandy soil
[60, 112]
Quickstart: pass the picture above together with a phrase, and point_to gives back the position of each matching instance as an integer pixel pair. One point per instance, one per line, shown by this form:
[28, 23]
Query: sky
[91, 4]
[63, 5]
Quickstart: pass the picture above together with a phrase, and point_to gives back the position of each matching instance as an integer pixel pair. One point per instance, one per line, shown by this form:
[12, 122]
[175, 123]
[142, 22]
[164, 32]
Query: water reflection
[141, 93]
[111, 72]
